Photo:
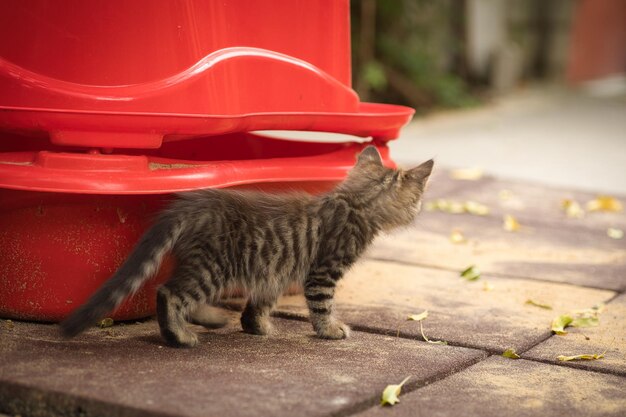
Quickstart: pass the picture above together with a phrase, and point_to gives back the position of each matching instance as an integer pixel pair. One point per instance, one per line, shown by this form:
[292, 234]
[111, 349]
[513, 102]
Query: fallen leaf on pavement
[604, 203]
[510, 223]
[537, 304]
[572, 208]
[391, 393]
[510, 353]
[108, 322]
[487, 286]
[457, 237]
[418, 317]
[584, 357]
[614, 233]
[471, 273]
[560, 323]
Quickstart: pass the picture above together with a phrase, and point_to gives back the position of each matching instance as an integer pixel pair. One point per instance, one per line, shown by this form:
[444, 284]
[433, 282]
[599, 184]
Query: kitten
[222, 239]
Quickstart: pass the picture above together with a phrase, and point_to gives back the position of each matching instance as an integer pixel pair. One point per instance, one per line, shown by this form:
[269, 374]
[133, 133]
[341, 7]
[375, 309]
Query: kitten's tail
[143, 262]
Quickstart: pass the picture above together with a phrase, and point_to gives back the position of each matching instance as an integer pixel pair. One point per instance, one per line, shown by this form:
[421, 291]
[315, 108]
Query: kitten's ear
[369, 155]
[422, 172]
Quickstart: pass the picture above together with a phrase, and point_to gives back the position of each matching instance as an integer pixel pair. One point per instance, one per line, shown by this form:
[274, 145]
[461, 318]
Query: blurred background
[527, 89]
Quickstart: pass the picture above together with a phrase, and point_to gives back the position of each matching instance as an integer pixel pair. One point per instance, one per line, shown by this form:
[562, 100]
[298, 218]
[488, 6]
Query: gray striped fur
[225, 239]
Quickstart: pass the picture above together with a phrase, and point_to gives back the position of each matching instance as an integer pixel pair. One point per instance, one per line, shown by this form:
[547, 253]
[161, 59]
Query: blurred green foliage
[410, 52]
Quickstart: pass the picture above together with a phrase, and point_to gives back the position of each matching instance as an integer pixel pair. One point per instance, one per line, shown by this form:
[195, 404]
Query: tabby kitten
[222, 239]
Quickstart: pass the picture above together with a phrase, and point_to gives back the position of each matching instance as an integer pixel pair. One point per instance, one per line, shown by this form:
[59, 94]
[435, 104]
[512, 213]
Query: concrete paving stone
[579, 256]
[530, 203]
[517, 388]
[609, 336]
[379, 295]
[126, 371]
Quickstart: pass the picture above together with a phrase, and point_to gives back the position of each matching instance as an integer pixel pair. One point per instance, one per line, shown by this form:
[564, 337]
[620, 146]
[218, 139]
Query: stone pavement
[570, 264]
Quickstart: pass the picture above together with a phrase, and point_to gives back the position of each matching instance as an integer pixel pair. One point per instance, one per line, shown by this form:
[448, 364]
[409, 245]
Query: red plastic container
[109, 106]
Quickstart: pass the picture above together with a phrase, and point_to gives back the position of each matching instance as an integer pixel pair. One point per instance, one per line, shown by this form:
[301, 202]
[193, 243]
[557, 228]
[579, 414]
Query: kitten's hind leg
[319, 291]
[207, 316]
[255, 319]
[172, 308]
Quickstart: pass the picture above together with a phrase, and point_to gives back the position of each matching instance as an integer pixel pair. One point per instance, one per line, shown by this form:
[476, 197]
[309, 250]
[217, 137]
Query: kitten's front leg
[319, 291]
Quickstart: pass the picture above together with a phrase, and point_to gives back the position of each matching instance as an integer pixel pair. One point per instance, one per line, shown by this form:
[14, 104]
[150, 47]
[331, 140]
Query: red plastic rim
[237, 159]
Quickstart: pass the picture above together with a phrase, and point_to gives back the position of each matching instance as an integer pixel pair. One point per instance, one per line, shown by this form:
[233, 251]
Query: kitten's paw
[256, 326]
[334, 330]
[180, 339]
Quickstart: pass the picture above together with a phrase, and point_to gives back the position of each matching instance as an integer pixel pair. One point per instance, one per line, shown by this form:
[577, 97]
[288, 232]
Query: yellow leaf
[572, 208]
[510, 353]
[604, 203]
[478, 209]
[614, 233]
[391, 393]
[457, 207]
[487, 286]
[418, 317]
[560, 323]
[584, 357]
[510, 224]
[468, 174]
[471, 273]
[537, 304]
[457, 237]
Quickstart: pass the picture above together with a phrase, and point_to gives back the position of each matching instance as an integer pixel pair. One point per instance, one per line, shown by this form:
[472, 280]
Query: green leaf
[471, 273]
[510, 353]
[584, 357]
[585, 321]
[418, 317]
[537, 304]
[391, 393]
[560, 323]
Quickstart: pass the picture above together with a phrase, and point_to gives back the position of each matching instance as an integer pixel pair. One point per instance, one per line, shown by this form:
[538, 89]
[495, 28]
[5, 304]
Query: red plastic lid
[215, 162]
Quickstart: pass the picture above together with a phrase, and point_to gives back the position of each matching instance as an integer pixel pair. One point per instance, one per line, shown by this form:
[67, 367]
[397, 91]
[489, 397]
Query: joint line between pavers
[406, 389]
[579, 366]
[495, 274]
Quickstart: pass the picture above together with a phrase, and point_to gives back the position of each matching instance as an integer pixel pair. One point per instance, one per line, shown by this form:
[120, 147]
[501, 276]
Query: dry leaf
[391, 393]
[468, 174]
[510, 353]
[510, 224]
[478, 209]
[457, 237]
[487, 286]
[560, 323]
[540, 305]
[471, 273]
[457, 207]
[108, 322]
[418, 317]
[614, 233]
[572, 208]
[578, 318]
[604, 203]
[584, 357]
